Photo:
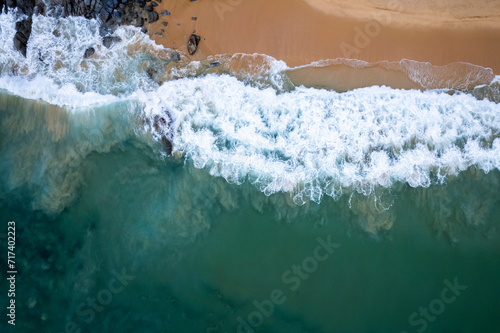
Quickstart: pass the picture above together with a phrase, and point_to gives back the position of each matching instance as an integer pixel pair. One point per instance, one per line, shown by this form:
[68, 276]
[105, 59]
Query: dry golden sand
[303, 31]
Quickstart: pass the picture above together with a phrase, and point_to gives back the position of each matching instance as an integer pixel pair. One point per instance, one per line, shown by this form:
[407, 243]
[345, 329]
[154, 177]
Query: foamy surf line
[313, 142]
[307, 142]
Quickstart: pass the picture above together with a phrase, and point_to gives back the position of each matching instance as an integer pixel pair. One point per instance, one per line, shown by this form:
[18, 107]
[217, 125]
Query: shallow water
[114, 235]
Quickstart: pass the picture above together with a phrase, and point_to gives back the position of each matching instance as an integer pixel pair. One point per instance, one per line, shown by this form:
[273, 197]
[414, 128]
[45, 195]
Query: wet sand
[303, 31]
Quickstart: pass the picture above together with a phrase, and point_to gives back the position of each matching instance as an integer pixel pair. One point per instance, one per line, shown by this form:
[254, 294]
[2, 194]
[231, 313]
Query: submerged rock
[151, 73]
[162, 125]
[89, 52]
[193, 42]
[176, 56]
[110, 40]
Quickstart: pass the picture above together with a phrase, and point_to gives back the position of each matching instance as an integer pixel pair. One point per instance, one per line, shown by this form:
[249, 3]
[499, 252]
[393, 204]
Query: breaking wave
[241, 118]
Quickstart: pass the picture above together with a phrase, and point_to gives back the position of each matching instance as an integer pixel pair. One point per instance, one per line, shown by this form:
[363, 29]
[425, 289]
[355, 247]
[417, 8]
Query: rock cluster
[27, 7]
[23, 28]
[111, 13]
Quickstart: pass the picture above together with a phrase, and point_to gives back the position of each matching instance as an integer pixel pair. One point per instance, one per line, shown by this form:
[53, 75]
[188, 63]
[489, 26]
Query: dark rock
[164, 23]
[25, 6]
[40, 8]
[20, 43]
[153, 17]
[165, 12]
[103, 31]
[167, 144]
[104, 16]
[163, 125]
[97, 9]
[117, 15]
[193, 42]
[138, 22]
[110, 40]
[23, 32]
[110, 6]
[175, 56]
[154, 4]
[151, 73]
[56, 33]
[144, 30]
[214, 64]
[89, 52]
[194, 18]
[148, 8]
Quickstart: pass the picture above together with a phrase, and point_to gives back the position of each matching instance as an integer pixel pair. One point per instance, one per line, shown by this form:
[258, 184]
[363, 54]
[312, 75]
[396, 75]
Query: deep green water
[93, 198]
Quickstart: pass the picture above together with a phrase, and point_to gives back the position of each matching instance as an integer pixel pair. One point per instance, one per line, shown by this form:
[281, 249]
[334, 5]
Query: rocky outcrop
[89, 52]
[153, 16]
[111, 13]
[110, 40]
[163, 126]
[27, 7]
[23, 28]
[23, 32]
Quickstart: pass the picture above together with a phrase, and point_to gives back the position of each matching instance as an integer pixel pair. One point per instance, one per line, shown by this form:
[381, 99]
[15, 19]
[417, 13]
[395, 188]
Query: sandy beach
[303, 31]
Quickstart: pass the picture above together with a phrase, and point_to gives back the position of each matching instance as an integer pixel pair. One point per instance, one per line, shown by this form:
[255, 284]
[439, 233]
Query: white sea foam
[59, 56]
[43, 88]
[313, 142]
[307, 142]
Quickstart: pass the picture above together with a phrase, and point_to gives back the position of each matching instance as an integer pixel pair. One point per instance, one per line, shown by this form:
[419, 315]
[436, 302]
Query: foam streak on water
[314, 142]
[308, 142]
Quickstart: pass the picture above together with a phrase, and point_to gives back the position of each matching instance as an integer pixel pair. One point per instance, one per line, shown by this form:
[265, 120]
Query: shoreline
[333, 44]
[298, 33]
